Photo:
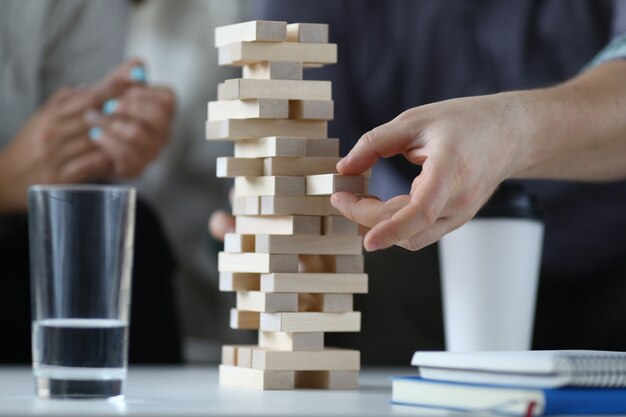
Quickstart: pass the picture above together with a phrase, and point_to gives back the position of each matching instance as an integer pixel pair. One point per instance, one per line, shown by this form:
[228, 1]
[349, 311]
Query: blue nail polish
[95, 133]
[110, 106]
[138, 74]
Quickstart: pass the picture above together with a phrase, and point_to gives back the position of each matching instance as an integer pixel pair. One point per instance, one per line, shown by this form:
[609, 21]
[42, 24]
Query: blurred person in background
[175, 39]
[59, 62]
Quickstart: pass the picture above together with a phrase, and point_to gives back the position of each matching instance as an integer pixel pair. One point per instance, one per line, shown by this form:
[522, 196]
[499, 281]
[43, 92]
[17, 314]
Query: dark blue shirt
[398, 54]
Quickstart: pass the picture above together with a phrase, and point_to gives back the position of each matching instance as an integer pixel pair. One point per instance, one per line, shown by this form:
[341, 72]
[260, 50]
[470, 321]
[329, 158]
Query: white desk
[194, 391]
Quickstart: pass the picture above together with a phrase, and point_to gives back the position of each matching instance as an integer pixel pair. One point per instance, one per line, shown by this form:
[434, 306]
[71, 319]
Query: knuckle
[430, 214]
[410, 244]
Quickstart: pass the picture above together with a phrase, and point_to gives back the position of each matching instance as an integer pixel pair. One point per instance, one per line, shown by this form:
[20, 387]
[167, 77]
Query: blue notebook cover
[506, 400]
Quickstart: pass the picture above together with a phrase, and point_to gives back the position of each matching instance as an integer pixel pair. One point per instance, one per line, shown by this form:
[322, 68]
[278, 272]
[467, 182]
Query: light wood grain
[314, 283]
[228, 167]
[271, 146]
[281, 205]
[274, 70]
[327, 184]
[239, 281]
[278, 225]
[309, 244]
[307, 32]
[248, 88]
[266, 302]
[242, 53]
[311, 109]
[255, 30]
[263, 108]
[256, 262]
[327, 359]
[256, 378]
[244, 319]
[311, 322]
[306, 341]
[237, 129]
[299, 166]
[258, 186]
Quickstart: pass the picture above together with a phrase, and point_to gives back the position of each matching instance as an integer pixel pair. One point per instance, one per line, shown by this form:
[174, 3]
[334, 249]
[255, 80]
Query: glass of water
[81, 247]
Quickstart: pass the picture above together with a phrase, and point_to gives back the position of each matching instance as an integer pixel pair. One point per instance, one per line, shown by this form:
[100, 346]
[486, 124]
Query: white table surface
[193, 391]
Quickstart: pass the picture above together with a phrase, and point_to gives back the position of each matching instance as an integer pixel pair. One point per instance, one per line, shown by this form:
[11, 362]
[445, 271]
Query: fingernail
[333, 201]
[92, 117]
[138, 74]
[372, 246]
[95, 133]
[110, 106]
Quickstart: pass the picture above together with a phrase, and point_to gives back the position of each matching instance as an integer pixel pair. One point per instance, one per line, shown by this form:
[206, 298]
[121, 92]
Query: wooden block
[242, 53]
[278, 225]
[244, 319]
[229, 355]
[327, 184]
[309, 244]
[333, 380]
[307, 33]
[274, 70]
[322, 147]
[281, 205]
[248, 205]
[271, 146]
[256, 262]
[256, 378]
[256, 30]
[236, 243]
[341, 264]
[263, 108]
[236, 129]
[349, 264]
[327, 359]
[244, 356]
[258, 186]
[240, 281]
[243, 88]
[266, 302]
[228, 167]
[311, 322]
[339, 225]
[325, 303]
[300, 166]
[291, 341]
[311, 109]
[314, 283]
[237, 355]
[337, 303]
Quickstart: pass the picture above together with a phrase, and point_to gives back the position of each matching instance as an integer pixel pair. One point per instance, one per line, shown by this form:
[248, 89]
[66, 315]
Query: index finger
[120, 78]
[383, 141]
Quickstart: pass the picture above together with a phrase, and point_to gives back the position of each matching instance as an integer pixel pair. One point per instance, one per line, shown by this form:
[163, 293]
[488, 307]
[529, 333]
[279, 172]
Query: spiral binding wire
[594, 370]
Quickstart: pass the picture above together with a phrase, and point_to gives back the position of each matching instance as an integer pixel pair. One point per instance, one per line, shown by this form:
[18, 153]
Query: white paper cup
[490, 271]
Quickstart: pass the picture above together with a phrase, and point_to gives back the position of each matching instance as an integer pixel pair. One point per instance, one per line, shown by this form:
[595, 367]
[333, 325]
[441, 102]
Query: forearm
[577, 130]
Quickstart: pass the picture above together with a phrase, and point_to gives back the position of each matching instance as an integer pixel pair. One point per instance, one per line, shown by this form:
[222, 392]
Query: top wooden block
[307, 32]
[255, 30]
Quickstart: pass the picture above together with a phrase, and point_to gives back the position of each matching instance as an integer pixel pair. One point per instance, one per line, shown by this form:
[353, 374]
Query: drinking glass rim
[79, 187]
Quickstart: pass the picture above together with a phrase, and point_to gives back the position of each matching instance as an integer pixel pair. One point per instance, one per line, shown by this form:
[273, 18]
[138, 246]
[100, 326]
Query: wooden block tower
[293, 261]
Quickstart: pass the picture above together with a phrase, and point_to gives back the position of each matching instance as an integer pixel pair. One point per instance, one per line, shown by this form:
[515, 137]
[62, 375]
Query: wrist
[535, 114]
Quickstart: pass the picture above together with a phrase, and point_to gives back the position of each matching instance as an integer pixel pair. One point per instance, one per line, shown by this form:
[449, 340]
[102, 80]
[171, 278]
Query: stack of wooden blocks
[293, 260]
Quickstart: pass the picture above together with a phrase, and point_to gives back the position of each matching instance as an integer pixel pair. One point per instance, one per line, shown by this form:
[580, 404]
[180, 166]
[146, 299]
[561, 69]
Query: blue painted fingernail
[95, 133]
[138, 74]
[110, 106]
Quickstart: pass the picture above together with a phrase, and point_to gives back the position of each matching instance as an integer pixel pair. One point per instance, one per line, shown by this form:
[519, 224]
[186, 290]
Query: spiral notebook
[540, 368]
